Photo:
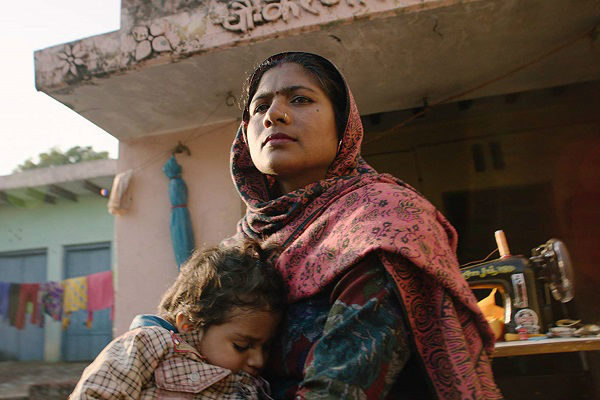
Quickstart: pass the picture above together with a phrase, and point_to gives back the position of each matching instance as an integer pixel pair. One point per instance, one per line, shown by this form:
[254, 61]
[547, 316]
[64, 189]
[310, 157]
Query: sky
[32, 122]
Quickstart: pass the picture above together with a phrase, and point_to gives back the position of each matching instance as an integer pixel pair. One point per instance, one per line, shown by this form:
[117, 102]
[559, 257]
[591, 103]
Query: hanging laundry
[4, 298]
[13, 302]
[100, 294]
[74, 298]
[50, 299]
[27, 294]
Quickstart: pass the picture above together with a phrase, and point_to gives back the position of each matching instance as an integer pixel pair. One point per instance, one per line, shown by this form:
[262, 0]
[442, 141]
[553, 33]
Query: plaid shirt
[154, 363]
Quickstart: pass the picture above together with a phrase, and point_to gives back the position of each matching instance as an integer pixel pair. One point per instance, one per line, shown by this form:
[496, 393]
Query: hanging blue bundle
[182, 234]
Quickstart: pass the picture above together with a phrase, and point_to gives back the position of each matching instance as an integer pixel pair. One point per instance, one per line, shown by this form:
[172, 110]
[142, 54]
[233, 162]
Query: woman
[377, 305]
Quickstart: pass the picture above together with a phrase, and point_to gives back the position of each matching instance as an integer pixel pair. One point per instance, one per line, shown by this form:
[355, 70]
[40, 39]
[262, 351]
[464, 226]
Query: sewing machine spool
[502, 244]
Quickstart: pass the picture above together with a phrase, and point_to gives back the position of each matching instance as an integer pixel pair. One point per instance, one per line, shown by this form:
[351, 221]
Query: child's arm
[125, 366]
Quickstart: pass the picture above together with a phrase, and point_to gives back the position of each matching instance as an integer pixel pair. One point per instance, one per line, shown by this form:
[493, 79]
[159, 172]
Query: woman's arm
[364, 345]
[124, 367]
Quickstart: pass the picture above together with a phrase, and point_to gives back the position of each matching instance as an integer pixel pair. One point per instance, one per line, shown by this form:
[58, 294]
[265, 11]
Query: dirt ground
[17, 376]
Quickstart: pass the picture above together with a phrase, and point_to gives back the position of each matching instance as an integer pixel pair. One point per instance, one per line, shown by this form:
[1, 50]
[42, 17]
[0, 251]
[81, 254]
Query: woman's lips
[278, 138]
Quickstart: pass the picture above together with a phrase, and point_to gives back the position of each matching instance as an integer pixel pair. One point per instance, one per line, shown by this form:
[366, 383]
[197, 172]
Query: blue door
[26, 344]
[79, 342]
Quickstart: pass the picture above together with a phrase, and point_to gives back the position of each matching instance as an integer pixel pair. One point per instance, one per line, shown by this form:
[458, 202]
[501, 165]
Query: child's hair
[214, 281]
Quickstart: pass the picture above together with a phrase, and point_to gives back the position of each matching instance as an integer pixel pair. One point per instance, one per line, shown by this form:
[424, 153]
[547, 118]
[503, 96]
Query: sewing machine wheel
[557, 268]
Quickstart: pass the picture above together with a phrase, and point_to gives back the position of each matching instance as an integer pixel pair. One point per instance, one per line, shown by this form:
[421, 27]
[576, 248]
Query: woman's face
[291, 132]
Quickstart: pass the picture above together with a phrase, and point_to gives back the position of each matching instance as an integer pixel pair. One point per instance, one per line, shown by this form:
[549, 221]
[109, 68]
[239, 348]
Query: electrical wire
[193, 136]
[463, 266]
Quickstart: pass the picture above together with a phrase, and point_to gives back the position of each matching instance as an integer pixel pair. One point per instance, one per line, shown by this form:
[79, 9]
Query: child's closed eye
[241, 347]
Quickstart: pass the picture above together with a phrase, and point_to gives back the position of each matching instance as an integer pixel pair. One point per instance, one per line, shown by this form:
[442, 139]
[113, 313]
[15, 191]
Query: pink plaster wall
[145, 261]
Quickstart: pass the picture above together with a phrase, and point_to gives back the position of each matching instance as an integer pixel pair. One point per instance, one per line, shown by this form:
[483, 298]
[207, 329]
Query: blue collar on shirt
[151, 320]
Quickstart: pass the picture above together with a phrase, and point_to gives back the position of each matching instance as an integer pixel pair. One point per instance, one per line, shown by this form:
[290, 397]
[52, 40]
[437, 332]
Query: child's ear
[182, 323]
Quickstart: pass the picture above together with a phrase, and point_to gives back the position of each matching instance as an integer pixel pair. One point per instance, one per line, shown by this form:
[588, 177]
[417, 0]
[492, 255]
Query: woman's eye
[301, 99]
[240, 348]
[261, 108]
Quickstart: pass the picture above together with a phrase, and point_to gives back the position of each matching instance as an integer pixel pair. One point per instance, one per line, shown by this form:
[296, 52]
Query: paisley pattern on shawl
[326, 227]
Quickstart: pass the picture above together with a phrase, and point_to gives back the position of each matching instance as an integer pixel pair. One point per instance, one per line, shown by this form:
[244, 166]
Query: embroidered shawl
[326, 227]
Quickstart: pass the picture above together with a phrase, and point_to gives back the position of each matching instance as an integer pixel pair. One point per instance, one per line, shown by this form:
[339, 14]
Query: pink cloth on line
[28, 294]
[101, 293]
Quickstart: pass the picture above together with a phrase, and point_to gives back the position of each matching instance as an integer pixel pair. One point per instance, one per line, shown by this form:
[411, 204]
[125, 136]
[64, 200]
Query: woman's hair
[328, 77]
[215, 281]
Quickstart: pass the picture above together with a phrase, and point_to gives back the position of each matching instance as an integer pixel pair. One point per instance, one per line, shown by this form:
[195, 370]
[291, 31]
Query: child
[209, 341]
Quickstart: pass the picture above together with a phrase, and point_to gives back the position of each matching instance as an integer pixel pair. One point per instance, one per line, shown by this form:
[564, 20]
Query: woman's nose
[276, 115]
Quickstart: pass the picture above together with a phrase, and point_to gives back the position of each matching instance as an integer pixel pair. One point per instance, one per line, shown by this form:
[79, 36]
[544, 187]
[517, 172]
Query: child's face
[241, 343]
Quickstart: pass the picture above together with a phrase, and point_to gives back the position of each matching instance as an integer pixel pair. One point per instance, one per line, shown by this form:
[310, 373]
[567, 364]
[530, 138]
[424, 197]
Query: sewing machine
[527, 286]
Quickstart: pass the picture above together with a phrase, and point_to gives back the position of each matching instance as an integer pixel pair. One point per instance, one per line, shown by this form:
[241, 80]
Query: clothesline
[92, 292]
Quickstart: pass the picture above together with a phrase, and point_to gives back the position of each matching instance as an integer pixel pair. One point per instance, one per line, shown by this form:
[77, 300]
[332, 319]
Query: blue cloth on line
[4, 299]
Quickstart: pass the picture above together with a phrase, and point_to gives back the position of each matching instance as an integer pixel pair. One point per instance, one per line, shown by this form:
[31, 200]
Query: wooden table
[545, 346]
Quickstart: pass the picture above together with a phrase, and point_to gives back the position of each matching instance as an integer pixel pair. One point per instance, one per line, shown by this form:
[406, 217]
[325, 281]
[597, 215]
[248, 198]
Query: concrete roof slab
[70, 177]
